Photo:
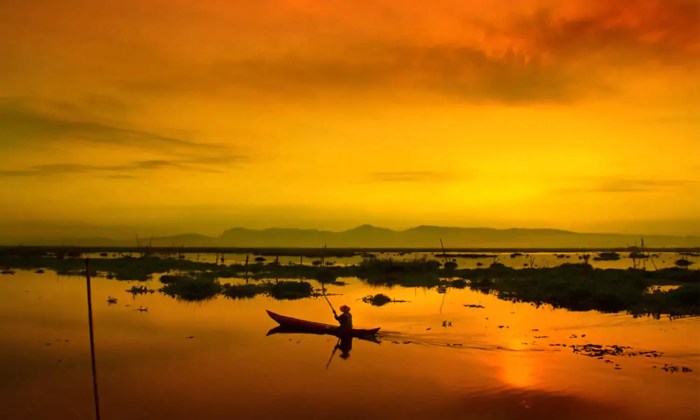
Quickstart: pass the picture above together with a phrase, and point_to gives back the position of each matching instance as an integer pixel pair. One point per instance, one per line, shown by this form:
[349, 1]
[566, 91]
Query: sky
[160, 117]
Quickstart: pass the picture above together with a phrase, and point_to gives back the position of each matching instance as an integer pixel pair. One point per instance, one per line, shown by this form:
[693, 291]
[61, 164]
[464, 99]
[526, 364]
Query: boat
[295, 325]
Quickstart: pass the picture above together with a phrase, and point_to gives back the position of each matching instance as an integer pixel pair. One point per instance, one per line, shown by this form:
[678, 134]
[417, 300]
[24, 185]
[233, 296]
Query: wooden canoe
[295, 325]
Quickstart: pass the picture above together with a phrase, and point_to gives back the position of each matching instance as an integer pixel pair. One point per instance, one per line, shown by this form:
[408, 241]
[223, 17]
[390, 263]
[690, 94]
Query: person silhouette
[345, 318]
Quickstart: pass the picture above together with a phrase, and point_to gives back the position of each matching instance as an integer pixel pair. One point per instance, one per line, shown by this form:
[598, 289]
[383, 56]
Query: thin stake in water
[92, 340]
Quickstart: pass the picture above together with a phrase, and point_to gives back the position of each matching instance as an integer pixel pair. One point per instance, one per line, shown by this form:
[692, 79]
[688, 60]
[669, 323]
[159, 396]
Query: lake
[460, 354]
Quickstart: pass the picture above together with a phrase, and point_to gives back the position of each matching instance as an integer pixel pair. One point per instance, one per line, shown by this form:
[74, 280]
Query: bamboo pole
[444, 255]
[92, 340]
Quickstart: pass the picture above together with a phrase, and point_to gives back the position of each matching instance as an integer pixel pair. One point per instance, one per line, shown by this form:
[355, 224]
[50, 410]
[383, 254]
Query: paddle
[323, 288]
[333, 353]
[323, 284]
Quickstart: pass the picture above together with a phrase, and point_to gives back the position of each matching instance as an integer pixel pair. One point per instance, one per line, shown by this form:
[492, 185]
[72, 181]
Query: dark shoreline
[340, 251]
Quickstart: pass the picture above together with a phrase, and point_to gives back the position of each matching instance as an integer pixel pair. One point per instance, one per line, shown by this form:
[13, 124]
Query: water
[476, 259]
[213, 360]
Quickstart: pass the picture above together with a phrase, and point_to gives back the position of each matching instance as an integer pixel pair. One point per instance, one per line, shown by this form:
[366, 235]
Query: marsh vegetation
[577, 287]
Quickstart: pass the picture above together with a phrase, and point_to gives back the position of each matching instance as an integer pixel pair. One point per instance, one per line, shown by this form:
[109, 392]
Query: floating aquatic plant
[193, 287]
[291, 290]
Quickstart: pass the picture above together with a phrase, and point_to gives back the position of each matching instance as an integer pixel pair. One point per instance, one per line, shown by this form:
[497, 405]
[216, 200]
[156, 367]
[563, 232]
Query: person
[345, 318]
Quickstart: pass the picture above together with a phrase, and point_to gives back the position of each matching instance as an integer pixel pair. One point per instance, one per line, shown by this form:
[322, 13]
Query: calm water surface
[477, 259]
[213, 360]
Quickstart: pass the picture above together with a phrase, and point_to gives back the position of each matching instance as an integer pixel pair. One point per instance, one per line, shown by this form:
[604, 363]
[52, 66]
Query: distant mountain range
[367, 236]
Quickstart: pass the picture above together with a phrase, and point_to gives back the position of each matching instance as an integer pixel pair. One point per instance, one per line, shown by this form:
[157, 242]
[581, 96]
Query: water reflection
[296, 330]
[178, 359]
[525, 403]
[344, 345]
[344, 342]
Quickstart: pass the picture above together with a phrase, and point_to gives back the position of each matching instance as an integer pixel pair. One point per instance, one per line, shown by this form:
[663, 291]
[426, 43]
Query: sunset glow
[166, 117]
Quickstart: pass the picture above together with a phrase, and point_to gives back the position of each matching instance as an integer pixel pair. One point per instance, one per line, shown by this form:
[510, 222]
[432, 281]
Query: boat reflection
[344, 343]
[374, 338]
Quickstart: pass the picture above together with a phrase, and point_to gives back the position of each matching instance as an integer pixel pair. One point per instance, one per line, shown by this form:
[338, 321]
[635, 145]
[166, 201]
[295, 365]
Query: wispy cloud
[127, 170]
[625, 185]
[462, 72]
[411, 176]
[22, 124]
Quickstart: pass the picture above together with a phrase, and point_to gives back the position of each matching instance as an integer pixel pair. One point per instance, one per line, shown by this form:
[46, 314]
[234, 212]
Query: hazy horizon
[54, 231]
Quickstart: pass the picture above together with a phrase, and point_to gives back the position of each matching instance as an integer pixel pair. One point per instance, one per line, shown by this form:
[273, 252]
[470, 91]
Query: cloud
[523, 52]
[624, 185]
[647, 33]
[22, 124]
[542, 56]
[411, 176]
[125, 171]
[461, 72]
[639, 185]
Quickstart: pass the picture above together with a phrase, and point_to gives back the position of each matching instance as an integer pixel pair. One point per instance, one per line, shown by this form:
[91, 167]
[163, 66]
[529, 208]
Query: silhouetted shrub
[291, 290]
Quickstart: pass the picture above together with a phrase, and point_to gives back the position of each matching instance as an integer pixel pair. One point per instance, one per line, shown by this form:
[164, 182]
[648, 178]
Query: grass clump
[580, 287]
[244, 291]
[675, 303]
[377, 300]
[607, 256]
[291, 290]
[683, 263]
[420, 272]
[172, 278]
[380, 300]
[140, 290]
[193, 287]
[326, 276]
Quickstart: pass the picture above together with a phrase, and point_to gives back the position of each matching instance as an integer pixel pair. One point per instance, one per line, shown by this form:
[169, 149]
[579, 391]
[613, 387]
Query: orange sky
[123, 117]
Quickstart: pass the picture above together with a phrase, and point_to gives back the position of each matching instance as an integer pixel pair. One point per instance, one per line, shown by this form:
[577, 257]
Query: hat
[345, 308]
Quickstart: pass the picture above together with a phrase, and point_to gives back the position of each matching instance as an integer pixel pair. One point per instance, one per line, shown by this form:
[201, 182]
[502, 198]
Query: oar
[333, 354]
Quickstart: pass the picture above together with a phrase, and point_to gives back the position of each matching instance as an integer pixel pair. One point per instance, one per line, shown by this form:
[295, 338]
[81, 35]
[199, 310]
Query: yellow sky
[165, 117]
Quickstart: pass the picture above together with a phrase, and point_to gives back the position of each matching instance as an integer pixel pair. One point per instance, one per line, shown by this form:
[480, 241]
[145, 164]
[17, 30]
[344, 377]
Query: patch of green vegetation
[607, 256]
[123, 268]
[571, 286]
[683, 263]
[421, 272]
[192, 287]
[244, 291]
[140, 290]
[380, 300]
[675, 303]
[307, 252]
[468, 255]
[171, 278]
[291, 290]
[580, 287]
[450, 265]
[377, 300]
[456, 283]
[326, 276]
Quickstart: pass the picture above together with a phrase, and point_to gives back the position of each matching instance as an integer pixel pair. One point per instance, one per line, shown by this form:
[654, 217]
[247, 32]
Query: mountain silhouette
[368, 236]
